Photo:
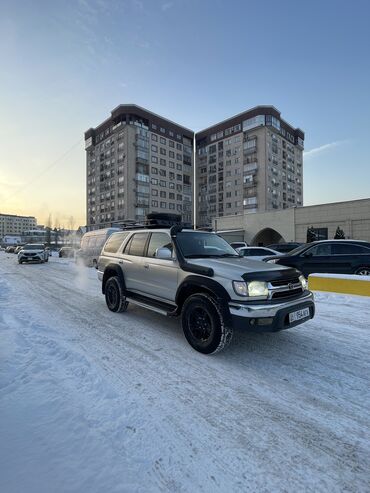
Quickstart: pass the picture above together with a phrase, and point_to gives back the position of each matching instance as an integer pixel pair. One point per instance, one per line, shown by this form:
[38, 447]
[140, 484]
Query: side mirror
[163, 253]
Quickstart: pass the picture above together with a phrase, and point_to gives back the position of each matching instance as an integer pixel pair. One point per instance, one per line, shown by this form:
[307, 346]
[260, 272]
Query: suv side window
[114, 242]
[159, 240]
[136, 245]
[348, 249]
[320, 250]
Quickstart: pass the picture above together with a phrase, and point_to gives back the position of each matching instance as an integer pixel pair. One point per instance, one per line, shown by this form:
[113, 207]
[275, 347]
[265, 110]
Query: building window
[154, 159]
[154, 192]
[162, 140]
[163, 205]
[154, 148]
[154, 203]
[155, 137]
[154, 171]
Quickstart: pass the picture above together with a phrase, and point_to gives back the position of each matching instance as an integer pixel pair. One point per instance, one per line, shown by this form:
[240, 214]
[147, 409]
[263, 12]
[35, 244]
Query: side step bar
[155, 306]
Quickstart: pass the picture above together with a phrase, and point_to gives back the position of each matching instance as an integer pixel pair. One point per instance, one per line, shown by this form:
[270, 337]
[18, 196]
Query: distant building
[11, 224]
[251, 162]
[137, 162]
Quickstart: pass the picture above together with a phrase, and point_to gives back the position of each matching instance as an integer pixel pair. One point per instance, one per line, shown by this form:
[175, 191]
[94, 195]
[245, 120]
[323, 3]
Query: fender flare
[109, 271]
[204, 284]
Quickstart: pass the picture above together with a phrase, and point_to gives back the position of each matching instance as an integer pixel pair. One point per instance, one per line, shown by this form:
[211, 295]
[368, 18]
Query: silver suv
[199, 277]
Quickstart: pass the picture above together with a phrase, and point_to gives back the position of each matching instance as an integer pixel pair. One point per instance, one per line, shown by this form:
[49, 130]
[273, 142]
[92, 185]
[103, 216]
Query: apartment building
[11, 224]
[137, 162]
[251, 162]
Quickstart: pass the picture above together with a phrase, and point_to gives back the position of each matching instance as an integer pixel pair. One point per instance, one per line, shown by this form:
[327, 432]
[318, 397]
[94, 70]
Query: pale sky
[66, 64]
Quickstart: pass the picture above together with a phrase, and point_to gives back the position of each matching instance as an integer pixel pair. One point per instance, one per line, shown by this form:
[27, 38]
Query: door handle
[120, 261]
[146, 266]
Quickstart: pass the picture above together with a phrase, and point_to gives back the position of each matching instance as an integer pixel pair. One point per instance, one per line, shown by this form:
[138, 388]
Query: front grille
[286, 294]
[285, 282]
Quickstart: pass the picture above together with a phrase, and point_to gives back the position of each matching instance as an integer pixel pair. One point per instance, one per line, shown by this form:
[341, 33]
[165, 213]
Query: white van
[91, 246]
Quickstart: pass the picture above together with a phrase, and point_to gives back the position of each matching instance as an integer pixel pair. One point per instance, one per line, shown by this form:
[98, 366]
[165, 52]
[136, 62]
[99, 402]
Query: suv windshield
[33, 247]
[202, 245]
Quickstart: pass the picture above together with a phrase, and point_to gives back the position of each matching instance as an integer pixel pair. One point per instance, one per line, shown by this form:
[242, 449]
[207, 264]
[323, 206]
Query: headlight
[253, 288]
[240, 288]
[258, 288]
[303, 281]
[272, 261]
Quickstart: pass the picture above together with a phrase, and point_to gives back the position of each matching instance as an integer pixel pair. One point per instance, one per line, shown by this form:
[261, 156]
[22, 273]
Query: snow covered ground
[92, 401]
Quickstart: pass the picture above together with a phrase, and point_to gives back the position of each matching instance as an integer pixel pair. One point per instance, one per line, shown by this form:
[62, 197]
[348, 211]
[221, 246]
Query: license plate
[298, 315]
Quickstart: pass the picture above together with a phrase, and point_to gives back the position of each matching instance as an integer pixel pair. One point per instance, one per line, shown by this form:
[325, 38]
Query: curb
[337, 283]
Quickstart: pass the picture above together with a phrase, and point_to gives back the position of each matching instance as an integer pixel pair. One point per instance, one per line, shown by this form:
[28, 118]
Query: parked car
[18, 248]
[329, 257]
[199, 277]
[238, 244]
[10, 249]
[33, 252]
[68, 252]
[91, 245]
[257, 253]
[284, 247]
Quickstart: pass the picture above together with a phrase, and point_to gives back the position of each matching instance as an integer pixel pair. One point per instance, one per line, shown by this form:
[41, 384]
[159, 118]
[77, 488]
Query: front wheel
[363, 271]
[114, 295]
[204, 325]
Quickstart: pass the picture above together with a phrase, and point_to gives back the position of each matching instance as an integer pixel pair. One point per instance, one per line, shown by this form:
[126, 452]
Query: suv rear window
[114, 242]
[136, 245]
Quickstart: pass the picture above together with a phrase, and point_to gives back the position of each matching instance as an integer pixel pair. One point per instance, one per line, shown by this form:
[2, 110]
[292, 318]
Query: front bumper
[35, 258]
[268, 316]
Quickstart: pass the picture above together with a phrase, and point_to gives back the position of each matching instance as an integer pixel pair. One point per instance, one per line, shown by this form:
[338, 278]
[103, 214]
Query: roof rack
[152, 221]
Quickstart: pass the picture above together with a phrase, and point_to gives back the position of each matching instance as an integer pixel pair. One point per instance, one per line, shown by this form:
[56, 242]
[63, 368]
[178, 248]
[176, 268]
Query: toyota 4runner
[199, 277]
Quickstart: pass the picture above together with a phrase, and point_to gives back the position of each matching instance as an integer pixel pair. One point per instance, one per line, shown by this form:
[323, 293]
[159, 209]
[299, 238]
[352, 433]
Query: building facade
[252, 162]
[137, 162]
[11, 224]
[265, 228]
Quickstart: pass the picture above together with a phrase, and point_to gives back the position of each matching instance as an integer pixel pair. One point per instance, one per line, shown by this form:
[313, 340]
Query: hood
[235, 268]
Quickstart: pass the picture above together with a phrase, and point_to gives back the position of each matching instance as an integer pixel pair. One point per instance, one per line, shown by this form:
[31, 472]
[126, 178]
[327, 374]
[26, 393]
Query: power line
[48, 168]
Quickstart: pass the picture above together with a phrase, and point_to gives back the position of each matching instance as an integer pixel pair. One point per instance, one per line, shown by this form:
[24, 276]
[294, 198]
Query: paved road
[274, 412]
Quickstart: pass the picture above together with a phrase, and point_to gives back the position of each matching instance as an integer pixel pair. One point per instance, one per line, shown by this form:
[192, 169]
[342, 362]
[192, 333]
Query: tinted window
[320, 250]
[262, 251]
[349, 249]
[158, 240]
[136, 244]
[114, 242]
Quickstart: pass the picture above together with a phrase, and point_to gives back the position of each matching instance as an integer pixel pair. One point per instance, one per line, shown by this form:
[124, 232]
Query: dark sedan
[329, 257]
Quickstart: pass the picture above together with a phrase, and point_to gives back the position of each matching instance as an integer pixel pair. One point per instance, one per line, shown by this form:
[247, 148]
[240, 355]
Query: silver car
[33, 252]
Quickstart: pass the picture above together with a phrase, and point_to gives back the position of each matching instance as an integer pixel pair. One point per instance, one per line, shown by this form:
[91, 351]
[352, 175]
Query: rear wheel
[114, 295]
[363, 271]
[204, 325]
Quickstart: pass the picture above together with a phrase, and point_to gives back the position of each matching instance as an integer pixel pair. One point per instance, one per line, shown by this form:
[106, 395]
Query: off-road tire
[114, 295]
[216, 332]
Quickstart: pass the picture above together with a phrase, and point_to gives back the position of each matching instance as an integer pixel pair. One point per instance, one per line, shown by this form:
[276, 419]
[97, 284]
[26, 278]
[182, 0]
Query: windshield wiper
[228, 255]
